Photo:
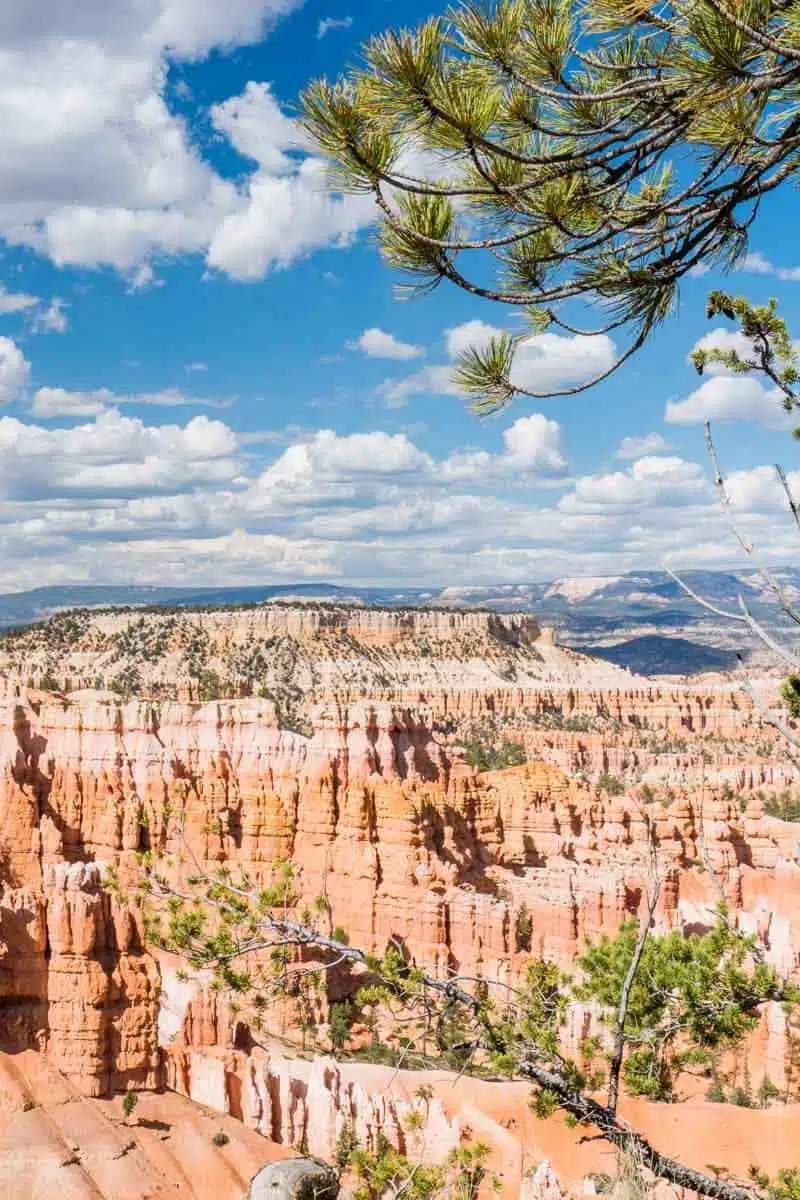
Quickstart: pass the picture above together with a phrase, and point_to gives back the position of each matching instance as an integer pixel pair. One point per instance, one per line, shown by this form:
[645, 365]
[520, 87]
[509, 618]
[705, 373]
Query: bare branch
[747, 546]
[793, 508]
[622, 1010]
[790, 659]
[719, 612]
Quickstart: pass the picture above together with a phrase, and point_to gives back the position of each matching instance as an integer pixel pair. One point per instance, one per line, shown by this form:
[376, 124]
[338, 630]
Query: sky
[207, 376]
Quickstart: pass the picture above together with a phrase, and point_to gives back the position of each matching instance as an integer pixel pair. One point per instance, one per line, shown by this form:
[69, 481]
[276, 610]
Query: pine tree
[526, 151]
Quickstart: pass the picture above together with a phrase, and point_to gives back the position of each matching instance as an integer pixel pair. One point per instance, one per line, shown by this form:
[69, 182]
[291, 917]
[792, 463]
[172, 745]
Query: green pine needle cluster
[769, 347]
[527, 152]
[693, 996]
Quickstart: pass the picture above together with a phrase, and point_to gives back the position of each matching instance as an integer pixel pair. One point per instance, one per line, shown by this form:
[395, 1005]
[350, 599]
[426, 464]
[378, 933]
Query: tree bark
[629, 1141]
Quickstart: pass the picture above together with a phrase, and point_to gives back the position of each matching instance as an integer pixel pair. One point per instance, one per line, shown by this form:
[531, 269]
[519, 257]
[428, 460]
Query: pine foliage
[548, 153]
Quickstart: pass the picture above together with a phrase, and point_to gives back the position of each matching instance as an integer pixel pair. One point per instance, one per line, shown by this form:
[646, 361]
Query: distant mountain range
[642, 619]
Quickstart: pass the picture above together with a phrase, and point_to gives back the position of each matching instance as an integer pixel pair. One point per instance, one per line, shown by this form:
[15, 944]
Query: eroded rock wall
[77, 983]
[377, 813]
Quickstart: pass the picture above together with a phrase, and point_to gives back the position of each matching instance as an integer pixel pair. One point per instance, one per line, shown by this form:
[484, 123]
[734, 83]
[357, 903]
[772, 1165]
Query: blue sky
[206, 376]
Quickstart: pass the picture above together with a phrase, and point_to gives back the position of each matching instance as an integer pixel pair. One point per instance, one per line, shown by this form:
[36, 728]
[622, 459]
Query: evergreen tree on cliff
[525, 151]
[669, 1003]
[566, 159]
[666, 1004]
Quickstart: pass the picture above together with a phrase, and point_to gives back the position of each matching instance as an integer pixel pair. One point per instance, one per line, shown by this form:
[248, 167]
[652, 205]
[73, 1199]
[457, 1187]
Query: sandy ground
[58, 1145]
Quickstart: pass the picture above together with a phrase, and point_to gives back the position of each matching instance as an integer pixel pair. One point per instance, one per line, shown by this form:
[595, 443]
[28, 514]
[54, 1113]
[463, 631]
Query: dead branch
[624, 999]
[748, 547]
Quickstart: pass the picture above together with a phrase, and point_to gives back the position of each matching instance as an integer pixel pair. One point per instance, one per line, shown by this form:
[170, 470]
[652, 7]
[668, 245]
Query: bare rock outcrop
[295, 1179]
[57, 1142]
[297, 1102]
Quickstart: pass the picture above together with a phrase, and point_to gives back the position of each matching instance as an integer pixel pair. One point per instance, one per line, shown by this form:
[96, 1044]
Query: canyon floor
[432, 773]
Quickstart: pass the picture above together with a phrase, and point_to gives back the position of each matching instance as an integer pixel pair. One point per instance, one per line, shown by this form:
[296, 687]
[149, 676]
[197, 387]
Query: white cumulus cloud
[285, 209]
[96, 169]
[725, 396]
[376, 343]
[637, 447]
[113, 455]
[15, 371]
[653, 480]
[534, 444]
[730, 398]
[543, 363]
[758, 264]
[50, 402]
[760, 488]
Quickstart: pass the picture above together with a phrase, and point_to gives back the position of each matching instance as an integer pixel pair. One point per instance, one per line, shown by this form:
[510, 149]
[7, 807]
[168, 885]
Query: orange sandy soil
[58, 1145]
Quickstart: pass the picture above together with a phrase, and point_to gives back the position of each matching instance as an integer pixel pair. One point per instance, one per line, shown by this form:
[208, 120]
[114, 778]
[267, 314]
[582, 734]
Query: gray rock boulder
[295, 1179]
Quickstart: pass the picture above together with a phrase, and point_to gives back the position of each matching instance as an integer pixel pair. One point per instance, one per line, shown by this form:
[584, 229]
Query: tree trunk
[607, 1123]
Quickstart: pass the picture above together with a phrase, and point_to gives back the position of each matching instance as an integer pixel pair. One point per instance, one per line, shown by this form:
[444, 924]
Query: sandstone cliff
[376, 814]
[353, 765]
[76, 982]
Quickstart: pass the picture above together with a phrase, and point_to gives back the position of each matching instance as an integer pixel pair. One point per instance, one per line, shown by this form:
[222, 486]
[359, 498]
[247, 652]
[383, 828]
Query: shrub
[346, 1145]
[523, 927]
[209, 686]
[220, 1138]
[340, 1024]
[485, 757]
[611, 784]
[129, 1102]
[742, 1097]
[783, 807]
[790, 694]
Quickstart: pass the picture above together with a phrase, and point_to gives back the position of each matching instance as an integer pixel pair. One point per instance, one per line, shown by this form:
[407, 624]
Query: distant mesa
[623, 619]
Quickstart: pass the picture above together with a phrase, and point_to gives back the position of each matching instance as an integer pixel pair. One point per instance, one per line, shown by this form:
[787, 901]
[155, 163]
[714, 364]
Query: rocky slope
[533, 1159]
[56, 1142]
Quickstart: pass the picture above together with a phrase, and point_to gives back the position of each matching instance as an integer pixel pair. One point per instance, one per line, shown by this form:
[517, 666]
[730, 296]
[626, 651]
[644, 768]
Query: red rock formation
[375, 814]
[76, 982]
[379, 814]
